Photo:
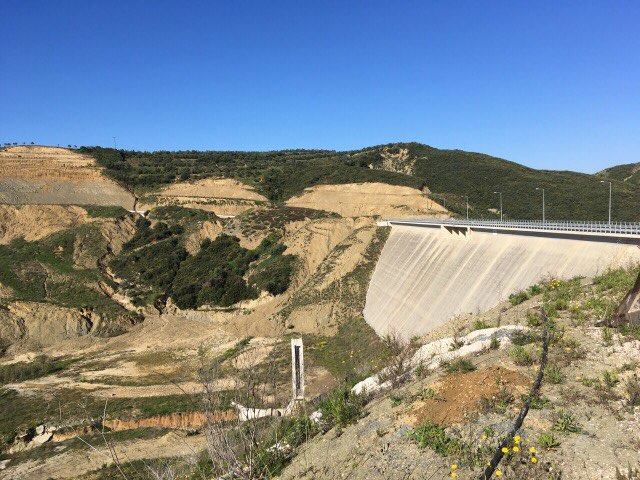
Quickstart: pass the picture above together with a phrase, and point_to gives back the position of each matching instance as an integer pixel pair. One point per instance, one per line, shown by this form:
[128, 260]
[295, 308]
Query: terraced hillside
[50, 175]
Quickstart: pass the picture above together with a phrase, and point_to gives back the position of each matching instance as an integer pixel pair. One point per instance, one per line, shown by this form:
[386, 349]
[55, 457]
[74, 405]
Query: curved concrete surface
[426, 276]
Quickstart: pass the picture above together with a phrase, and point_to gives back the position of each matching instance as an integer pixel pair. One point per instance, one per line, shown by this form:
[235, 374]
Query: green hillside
[449, 174]
[629, 173]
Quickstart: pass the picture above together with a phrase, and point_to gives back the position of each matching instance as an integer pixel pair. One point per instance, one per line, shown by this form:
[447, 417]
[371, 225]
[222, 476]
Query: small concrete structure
[297, 369]
[297, 384]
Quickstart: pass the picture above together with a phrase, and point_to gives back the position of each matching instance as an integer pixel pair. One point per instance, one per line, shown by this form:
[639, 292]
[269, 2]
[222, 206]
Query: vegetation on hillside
[452, 175]
[45, 271]
[629, 173]
[155, 264]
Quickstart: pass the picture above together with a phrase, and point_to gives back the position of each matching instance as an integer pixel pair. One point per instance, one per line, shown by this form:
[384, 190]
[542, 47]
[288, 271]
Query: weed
[538, 402]
[607, 336]
[632, 386]
[554, 374]
[610, 379]
[522, 338]
[434, 437]
[520, 355]
[495, 343]
[421, 371]
[461, 365]
[396, 400]
[533, 318]
[456, 344]
[499, 403]
[629, 331]
[518, 298]
[590, 382]
[565, 422]
[548, 441]
[480, 325]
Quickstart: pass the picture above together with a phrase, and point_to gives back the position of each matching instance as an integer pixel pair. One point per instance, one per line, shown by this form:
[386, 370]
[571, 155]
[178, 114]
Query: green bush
[433, 436]
[342, 407]
[518, 298]
[461, 365]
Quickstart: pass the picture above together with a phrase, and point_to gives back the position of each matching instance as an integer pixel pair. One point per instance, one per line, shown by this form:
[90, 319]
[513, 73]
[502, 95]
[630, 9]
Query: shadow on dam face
[426, 276]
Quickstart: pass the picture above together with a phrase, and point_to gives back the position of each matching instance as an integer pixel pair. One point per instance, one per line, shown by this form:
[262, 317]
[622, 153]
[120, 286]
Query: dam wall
[426, 276]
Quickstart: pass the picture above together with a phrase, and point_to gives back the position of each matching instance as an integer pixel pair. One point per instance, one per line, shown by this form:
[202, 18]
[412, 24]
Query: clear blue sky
[548, 84]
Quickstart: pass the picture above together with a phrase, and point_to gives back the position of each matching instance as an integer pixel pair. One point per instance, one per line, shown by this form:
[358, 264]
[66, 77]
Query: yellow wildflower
[516, 439]
[516, 448]
[505, 449]
[498, 473]
[454, 466]
[532, 450]
[534, 460]
[453, 475]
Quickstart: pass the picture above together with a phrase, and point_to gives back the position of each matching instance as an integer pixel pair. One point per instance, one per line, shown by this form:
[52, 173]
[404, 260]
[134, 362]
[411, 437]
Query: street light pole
[610, 191]
[543, 218]
[500, 193]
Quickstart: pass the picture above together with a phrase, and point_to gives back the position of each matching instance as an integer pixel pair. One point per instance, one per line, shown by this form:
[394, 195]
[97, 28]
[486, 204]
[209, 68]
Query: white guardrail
[617, 228]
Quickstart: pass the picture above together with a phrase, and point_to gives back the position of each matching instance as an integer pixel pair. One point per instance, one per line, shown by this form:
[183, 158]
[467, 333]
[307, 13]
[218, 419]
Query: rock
[40, 429]
[40, 439]
[4, 463]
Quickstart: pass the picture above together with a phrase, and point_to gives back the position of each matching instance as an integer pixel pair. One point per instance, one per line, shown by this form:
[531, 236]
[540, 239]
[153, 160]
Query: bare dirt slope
[223, 196]
[368, 199]
[33, 222]
[50, 175]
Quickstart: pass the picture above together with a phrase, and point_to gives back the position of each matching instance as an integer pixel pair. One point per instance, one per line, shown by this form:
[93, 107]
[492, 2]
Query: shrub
[274, 274]
[341, 407]
[518, 298]
[434, 437]
[533, 319]
[461, 365]
[522, 338]
[480, 325]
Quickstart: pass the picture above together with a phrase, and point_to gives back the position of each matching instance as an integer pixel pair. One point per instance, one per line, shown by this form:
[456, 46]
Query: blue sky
[548, 84]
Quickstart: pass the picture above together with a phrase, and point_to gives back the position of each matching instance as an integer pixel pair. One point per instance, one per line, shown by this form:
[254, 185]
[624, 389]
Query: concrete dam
[431, 271]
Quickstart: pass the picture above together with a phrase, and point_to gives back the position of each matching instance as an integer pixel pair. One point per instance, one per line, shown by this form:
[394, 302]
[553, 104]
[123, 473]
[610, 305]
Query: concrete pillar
[297, 368]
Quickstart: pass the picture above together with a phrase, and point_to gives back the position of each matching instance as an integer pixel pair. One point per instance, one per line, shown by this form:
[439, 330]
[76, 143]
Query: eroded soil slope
[223, 196]
[50, 175]
[367, 200]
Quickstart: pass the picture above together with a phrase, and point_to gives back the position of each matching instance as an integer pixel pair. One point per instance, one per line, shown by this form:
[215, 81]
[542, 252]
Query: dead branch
[535, 389]
[624, 312]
